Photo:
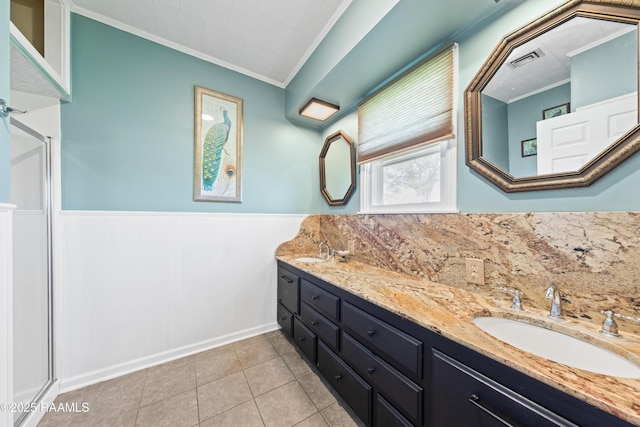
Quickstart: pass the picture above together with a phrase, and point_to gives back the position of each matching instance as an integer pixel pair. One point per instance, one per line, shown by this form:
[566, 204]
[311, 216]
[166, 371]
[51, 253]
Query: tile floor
[260, 381]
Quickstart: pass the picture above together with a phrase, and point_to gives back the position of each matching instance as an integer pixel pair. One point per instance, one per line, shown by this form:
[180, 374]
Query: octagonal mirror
[337, 168]
[556, 103]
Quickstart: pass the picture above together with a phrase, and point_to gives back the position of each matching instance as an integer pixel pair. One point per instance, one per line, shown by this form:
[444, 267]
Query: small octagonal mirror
[337, 169]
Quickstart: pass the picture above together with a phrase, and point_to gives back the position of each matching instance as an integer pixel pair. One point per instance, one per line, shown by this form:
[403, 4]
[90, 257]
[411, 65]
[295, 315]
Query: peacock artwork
[218, 146]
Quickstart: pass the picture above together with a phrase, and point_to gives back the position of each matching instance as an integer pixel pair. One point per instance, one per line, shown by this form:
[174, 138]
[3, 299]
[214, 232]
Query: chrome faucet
[553, 293]
[328, 253]
[516, 303]
[609, 325]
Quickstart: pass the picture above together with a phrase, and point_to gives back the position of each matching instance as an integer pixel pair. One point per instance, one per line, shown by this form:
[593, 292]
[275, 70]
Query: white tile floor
[261, 381]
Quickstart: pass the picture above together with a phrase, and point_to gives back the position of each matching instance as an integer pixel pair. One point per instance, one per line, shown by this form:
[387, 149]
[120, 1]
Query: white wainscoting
[137, 289]
[6, 311]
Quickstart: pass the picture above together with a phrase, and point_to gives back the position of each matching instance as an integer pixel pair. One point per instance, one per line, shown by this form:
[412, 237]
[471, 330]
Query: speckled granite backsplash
[594, 258]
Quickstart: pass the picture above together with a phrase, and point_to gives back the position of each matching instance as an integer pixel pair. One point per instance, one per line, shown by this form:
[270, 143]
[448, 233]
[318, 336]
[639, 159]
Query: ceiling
[266, 39]
[553, 67]
[335, 50]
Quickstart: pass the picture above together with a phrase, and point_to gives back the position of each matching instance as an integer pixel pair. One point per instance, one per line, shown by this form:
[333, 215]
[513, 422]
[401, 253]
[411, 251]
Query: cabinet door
[405, 394]
[382, 338]
[320, 299]
[288, 290]
[388, 416]
[285, 319]
[305, 339]
[355, 391]
[464, 397]
[320, 325]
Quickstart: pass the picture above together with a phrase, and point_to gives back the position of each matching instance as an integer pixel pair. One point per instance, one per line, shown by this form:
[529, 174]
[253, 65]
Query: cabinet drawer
[305, 339]
[384, 339]
[465, 397]
[320, 325]
[388, 416]
[285, 319]
[288, 289]
[355, 391]
[402, 392]
[320, 299]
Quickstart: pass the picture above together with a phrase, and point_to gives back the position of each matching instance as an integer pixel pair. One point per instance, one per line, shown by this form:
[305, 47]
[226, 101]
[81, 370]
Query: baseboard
[69, 384]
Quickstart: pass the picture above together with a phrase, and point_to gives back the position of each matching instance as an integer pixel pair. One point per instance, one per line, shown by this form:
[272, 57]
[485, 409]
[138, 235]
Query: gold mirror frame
[337, 136]
[614, 10]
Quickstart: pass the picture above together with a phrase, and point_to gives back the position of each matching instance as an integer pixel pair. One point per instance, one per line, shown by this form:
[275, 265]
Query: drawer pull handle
[371, 332]
[314, 323]
[475, 400]
[301, 339]
[314, 297]
[283, 318]
[338, 377]
[371, 370]
[287, 278]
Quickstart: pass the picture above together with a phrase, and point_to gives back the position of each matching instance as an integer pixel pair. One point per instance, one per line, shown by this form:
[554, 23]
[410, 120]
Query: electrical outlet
[475, 271]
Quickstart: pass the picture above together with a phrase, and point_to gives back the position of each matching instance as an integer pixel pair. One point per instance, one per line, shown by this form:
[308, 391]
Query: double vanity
[409, 352]
[403, 350]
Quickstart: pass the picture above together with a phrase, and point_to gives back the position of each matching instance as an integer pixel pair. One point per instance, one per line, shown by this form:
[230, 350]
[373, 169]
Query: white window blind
[415, 109]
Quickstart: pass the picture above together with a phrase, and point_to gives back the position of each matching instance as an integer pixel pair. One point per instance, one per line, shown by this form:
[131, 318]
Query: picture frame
[218, 122]
[556, 111]
[529, 147]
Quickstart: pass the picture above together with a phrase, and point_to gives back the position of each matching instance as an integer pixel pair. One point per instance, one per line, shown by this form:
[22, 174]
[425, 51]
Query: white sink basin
[558, 347]
[309, 259]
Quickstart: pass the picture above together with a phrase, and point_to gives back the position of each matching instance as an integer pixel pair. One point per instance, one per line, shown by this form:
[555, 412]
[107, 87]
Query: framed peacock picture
[218, 147]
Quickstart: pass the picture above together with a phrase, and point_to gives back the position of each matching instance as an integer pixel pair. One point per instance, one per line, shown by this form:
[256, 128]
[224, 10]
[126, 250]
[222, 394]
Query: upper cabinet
[39, 39]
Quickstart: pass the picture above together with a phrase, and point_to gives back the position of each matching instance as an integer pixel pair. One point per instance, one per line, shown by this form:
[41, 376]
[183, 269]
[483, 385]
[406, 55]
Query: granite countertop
[450, 311]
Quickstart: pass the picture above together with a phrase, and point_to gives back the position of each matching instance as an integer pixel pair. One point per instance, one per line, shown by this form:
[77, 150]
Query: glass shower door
[30, 192]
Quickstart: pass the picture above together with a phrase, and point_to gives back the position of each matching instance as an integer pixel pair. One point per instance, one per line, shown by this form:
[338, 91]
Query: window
[407, 144]
[421, 180]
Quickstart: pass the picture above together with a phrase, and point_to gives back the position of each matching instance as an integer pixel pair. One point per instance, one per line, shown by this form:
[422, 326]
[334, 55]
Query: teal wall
[523, 116]
[476, 194]
[605, 71]
[495, 129]
[5, 156]
[357, 20]
[128, 134]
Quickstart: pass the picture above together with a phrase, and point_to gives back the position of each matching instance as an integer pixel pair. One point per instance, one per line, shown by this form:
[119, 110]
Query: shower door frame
[27, 417]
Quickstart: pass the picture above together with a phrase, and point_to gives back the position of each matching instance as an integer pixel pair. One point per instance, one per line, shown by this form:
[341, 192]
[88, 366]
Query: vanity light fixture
[318, 109]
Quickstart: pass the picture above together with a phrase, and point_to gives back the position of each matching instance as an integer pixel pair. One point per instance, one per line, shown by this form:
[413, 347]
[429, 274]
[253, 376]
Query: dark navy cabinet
[466, 397]
[305, 339]
[403, 349]
[404, 394]
[285, 319]
[370, 356]
[288, 298]
[326, 330]
[393, 372]
[355, 390]
[289, 290]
